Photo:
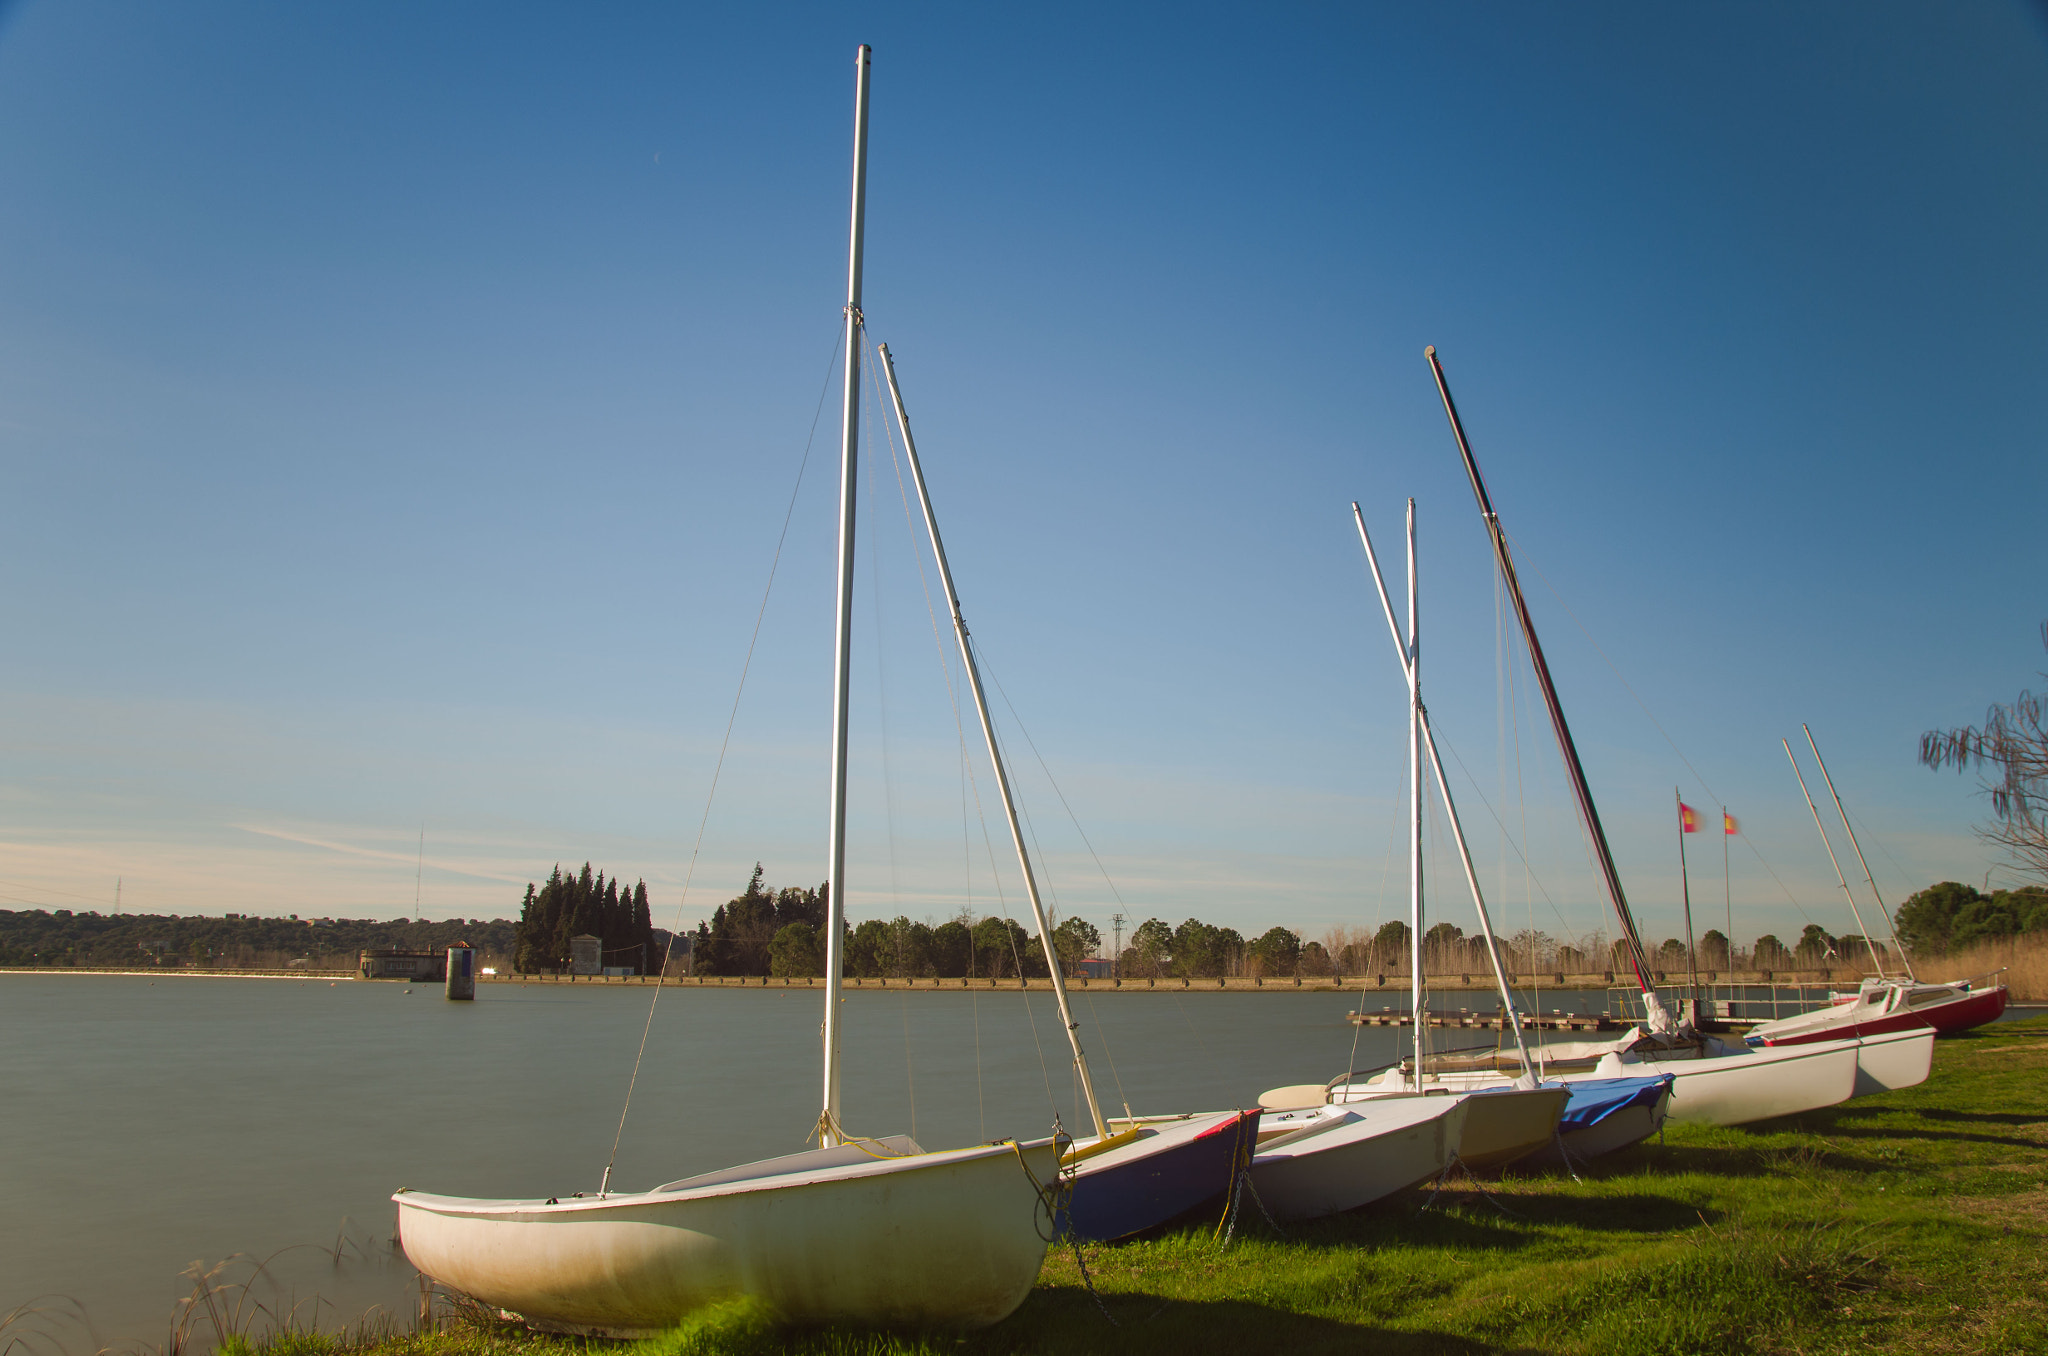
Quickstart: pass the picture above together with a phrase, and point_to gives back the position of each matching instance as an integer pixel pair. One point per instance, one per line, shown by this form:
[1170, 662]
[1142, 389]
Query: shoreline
[1394, 985]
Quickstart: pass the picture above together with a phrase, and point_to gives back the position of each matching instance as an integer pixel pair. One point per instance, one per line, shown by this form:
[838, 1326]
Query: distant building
[421, 965]
[1096, 968]
[586, 955]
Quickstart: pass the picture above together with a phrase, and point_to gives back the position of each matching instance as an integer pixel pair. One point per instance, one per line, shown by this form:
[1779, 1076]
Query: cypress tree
[643, 928]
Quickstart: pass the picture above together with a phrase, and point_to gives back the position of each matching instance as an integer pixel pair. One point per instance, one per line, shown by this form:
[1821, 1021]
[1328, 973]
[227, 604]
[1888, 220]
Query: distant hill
[237, 941]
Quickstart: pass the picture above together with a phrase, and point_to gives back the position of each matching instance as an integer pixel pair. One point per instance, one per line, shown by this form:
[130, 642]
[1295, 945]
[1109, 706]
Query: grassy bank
[1909, 1222]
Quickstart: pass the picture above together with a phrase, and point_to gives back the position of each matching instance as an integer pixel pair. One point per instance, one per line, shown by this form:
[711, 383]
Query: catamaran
[1882, 1002]
[858, 1230]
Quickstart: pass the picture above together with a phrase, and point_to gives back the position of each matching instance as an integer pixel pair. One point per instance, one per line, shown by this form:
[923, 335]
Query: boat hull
[1176, 1167]
[1758, 1085]
[1893, 1059]
[949, 1239]
[1504, 1124]
[1843, 1022]
[1720, 1085]
[1604, 1115]
[1334, 1158]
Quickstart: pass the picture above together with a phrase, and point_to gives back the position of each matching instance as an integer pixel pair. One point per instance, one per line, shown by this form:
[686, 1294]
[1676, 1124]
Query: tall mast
[1903, 958]
[1413, 654]
[1692, 955]
[842, 654]
[1443, 786]
[995, 754]
[1833, 861]
[1659, 1020]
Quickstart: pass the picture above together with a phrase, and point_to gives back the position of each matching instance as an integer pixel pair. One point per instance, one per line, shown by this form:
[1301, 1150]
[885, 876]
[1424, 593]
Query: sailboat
[858, 1230]
[1151, 1168]
[1714, 1081]
[1337, 1146]
[1600, 1115]
[1882, 1003]
[1506, 1120]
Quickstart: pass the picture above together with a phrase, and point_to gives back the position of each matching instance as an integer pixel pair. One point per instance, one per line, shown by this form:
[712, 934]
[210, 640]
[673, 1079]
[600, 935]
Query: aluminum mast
[1833, 861]
[1412, 662]
[1450, 806]
[1903, 958]
[1659, 1020]
[995, 755]
[849, 456]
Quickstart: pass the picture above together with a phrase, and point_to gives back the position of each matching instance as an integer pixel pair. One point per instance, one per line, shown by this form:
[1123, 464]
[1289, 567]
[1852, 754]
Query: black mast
[1588, 814]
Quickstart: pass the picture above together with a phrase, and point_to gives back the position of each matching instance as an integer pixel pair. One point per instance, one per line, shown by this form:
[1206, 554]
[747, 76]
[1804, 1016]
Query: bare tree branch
[2010, 751]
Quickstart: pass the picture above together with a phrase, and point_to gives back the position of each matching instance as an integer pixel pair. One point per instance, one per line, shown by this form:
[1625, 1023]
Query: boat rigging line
[718, 767]
[1659, 1020]
[1846, 828]
[1840, 879]
[1644, 707]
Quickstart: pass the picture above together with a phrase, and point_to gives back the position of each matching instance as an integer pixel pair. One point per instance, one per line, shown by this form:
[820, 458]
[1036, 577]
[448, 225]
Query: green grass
[1915, 1221]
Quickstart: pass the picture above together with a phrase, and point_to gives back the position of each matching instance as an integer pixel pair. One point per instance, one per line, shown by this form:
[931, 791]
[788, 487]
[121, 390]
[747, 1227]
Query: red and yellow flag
[1688, 818]
[1727, 823]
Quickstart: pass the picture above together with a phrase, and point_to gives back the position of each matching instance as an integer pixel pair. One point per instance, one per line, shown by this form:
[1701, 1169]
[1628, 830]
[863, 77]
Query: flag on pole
[1688, 818]
[1727, 823]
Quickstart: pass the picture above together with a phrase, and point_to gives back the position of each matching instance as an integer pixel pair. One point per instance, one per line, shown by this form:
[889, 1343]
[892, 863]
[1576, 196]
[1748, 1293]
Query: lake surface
[149, 1124]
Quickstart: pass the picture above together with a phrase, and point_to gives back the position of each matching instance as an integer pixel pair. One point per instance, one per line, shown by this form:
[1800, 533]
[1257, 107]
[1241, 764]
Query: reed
[2023, 959]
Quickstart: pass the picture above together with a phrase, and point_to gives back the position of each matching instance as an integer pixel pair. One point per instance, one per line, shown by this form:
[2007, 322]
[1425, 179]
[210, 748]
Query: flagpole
[1727, 889]
[1685, 890]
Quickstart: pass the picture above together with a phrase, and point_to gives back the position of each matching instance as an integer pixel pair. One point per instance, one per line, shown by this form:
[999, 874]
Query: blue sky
[399, 406]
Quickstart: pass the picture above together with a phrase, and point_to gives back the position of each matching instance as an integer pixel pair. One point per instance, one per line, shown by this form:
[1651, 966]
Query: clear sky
[399, 405]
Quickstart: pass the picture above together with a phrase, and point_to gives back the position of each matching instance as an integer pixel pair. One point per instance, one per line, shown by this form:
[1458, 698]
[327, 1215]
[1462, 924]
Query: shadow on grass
[1738, 1160]
[1461, 1215]
[1067, 1320]
[1846, 1122]
[1983, 1117]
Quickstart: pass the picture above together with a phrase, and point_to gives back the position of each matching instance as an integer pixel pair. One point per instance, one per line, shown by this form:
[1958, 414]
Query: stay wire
[1076, 821]
[897, 938]
[969, 783]
[1644, 706]
[945, 660]
[732, 717]
[1054, 782]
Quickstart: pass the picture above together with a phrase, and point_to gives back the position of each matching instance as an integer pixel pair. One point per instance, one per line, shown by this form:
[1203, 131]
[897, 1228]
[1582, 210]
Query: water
[146, 1125]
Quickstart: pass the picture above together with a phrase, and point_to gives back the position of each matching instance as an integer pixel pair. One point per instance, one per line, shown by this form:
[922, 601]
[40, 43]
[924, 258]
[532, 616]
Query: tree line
[64, 937]
[781, 933]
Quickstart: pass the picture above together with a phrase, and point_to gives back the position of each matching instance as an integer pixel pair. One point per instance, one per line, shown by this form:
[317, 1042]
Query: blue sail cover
[1593, 1100]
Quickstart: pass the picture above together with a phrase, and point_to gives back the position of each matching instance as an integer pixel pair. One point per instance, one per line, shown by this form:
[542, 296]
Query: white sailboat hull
[1737, 1088]
[950, 1239]
[1328, 1159]
[1895, 1059]
[1720, 1085]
